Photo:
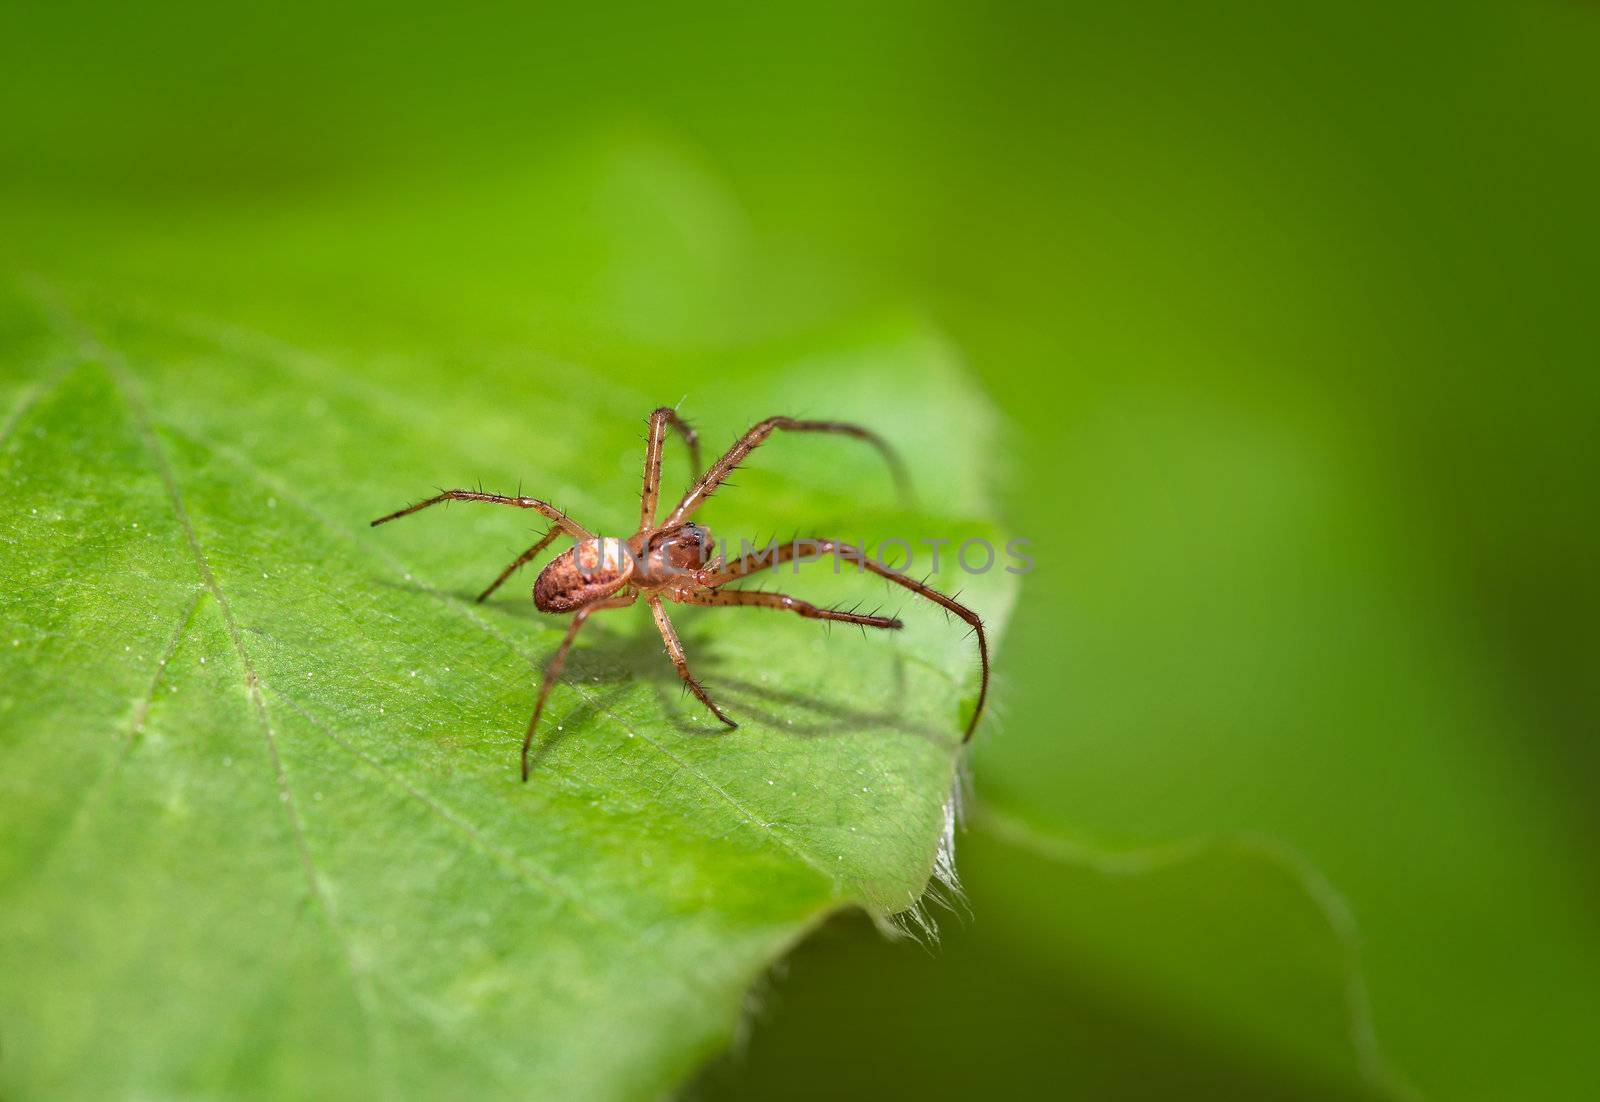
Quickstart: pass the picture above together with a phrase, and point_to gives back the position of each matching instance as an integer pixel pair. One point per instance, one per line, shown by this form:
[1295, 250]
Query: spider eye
[700, 536]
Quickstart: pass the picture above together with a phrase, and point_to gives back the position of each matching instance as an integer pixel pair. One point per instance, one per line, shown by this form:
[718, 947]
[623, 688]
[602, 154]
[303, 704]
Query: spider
[671, 561]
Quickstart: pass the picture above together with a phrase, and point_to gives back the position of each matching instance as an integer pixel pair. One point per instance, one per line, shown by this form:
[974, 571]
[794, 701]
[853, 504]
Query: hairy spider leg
[782, 602]
[564, 522]
[752, 439]
[659, 420]
[675, 651]
[544, 541]
[553, 670]
[751, 564]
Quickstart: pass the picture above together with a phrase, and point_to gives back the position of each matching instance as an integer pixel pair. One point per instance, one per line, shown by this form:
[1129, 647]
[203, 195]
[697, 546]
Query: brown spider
[671, 561]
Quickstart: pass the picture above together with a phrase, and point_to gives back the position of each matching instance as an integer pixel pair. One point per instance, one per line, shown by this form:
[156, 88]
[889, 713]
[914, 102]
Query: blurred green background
[1290, 316]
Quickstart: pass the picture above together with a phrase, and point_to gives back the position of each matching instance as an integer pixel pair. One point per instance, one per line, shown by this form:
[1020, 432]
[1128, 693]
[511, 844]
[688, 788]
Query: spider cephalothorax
[676, 553]
[674, 560]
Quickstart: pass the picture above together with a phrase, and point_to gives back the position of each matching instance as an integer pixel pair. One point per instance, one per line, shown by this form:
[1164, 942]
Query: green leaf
[264, 832]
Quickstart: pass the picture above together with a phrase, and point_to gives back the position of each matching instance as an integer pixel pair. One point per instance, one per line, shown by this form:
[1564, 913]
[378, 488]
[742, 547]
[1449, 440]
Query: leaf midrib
[127, 391]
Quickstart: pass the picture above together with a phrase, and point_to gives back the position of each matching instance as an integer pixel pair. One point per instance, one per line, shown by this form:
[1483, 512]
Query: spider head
[683, 549]
[699, 537]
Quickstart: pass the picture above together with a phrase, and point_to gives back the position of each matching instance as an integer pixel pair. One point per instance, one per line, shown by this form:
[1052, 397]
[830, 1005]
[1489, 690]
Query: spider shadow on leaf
[618, 655]
[772, 708]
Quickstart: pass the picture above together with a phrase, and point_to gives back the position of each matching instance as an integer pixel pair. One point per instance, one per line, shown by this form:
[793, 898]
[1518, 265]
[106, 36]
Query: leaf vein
[35, 393]
[127, 389]
[530, 874]
[90, 794]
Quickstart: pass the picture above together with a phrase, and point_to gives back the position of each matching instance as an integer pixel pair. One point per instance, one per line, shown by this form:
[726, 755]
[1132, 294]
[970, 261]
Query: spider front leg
[553, 670]
[545, 541]
[659, 420]
[752, 564]
[669, 635]
[753, 439]
[564, 522]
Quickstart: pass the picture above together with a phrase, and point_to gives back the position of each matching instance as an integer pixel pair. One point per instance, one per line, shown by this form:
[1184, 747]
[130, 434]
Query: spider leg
[659, 420]
[751, 564]
[675, 651]
[545, 541]
[553, 670]
[783, 603]
[751, 440]
[564, 522]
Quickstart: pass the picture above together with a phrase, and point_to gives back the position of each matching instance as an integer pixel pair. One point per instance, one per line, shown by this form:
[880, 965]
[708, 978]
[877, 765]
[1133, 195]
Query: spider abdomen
[589, 571]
